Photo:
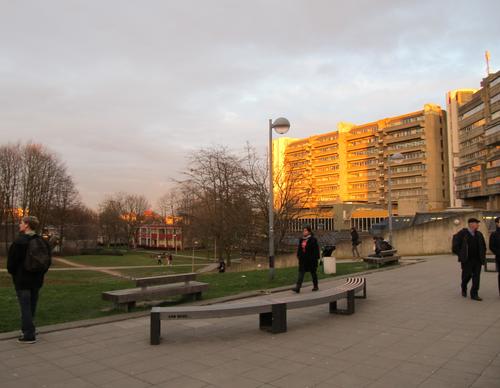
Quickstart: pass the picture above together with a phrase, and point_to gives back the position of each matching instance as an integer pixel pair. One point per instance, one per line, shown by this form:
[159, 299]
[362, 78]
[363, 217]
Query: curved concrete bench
[272, 312]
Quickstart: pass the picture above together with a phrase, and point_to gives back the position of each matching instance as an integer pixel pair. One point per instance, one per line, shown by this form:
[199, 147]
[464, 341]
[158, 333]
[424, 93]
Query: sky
[124, 90]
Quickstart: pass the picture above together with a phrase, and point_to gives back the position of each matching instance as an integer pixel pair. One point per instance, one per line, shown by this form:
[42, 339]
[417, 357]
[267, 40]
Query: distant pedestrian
[355, 242]
[308, 256]
[159, 258]
[170, 259]
[29, 258]
[222, 265]
[470, 247]
[495, 247]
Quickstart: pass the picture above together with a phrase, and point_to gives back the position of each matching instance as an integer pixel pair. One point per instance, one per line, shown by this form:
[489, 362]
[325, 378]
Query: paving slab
[413, 330]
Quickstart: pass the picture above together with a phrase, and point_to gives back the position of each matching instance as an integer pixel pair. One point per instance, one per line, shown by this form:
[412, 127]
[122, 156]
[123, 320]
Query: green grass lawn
[128, 259]
[157, 271]
[65, 296]
[75, 295]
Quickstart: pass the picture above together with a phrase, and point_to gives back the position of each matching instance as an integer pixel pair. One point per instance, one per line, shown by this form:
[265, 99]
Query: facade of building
[478, 174]
[350, 165]
[160, 236]
[454, 99]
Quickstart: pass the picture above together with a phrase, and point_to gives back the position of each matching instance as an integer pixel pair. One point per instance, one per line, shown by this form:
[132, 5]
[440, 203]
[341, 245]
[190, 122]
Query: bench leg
[155, 328]
[129, 306]
[362, 296]
[197, 296]
[275, 321]
[350, 305]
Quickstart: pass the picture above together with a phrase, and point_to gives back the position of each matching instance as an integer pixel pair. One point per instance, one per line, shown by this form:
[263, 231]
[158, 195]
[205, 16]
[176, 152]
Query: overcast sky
[123, 90]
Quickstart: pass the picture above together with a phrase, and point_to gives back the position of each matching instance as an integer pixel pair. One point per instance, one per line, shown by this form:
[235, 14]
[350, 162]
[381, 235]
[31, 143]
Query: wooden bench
[272, 312]
[156, 288]
[386, 257]
[489, 259]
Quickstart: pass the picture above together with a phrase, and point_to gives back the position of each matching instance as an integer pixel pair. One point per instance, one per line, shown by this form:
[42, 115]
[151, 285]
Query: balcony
[469, 193]
[492, 136]
[369, 155]
[395, 139]
[476, 147]
[492, 172]
[467, 178]
[418, 123]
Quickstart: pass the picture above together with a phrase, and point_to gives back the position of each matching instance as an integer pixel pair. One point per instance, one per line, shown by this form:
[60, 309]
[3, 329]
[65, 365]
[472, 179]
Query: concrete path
[414, 330]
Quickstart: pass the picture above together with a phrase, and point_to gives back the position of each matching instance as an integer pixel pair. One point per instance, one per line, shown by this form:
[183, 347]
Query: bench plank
[154, 292]
[272, 312]
[164, 279]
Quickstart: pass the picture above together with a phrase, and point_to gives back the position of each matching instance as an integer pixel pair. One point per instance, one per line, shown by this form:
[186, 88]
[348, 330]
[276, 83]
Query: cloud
[124, 90]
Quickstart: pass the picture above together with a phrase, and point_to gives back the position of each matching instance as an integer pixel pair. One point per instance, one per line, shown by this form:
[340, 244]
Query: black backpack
[385, 246]
[37, 255]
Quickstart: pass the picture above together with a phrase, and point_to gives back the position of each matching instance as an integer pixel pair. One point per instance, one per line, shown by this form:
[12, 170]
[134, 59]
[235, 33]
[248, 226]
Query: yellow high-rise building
[350, 164]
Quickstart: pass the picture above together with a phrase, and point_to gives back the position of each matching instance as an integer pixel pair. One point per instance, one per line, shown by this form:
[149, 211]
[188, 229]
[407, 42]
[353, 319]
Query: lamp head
[281, 125]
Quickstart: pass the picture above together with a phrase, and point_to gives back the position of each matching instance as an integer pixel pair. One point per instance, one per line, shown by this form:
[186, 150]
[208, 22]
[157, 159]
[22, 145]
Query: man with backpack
[28, 260]
[470, 247]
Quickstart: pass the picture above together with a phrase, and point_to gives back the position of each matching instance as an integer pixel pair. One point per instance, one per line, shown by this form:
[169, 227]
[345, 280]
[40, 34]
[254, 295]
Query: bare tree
[219, 208]
[134, 209]
[292, 191]
[33, 180]
[120, 216]
[10, 173]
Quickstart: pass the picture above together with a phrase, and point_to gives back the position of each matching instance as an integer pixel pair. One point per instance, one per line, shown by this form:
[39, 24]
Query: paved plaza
[414, 330]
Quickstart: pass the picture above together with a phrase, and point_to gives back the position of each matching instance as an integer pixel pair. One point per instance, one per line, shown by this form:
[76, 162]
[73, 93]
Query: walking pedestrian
[470, 247]
[308, 256]
[28, 260]
[355, 242]
[495, 247]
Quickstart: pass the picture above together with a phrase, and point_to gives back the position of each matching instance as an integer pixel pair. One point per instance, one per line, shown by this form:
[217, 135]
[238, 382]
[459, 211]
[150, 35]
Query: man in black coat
[26, 283]
[308, 255]
[495, 247]
[355, 242]
[470, 247]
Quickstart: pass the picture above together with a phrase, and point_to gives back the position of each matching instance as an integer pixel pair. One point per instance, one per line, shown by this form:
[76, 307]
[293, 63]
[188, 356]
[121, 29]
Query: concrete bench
[272, 312]
[156, 288]
[386, 257]
[489, 259]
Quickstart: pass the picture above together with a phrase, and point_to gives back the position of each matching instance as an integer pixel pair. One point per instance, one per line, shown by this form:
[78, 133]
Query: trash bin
[329, 265]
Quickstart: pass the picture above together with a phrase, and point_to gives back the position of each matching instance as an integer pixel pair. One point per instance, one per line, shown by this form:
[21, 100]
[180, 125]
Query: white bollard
[329, 265]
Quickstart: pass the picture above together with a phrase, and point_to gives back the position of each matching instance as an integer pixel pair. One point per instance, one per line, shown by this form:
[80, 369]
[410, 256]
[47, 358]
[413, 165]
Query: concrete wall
[433, 237]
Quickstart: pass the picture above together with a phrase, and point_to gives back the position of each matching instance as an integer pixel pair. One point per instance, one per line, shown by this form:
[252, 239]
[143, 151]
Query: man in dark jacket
[495, 247]
[355, 242]
[26, 283]
[308, 255]
[470, 247]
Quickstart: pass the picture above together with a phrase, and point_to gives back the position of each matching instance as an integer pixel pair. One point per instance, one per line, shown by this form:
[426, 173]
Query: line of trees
[222, 201]
[34, 180]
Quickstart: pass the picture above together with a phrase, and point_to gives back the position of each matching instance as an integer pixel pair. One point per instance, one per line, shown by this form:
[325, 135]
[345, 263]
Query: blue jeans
[28, 299]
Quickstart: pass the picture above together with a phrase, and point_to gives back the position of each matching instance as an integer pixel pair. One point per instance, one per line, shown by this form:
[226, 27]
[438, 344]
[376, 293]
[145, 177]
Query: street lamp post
[281, 126]
[392, 158]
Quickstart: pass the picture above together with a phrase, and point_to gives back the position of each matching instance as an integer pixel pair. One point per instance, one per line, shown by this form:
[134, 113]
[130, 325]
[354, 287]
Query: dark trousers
[471, 270]
[28, 299]
[497, 262]
[314, 276]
